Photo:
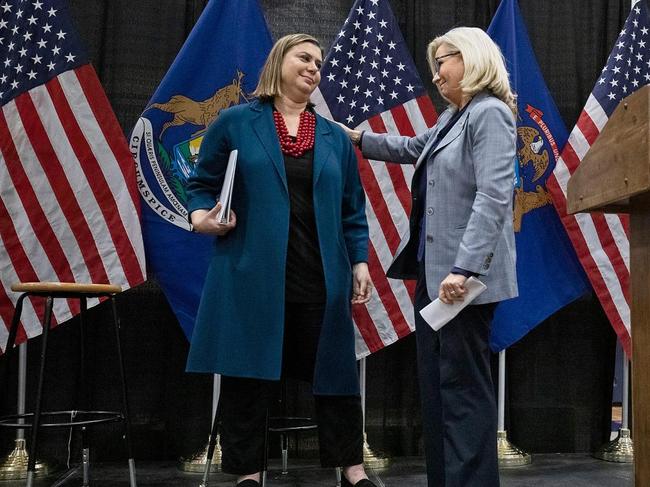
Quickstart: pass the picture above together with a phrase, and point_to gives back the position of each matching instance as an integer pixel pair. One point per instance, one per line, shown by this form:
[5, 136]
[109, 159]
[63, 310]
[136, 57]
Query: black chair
[73, 418]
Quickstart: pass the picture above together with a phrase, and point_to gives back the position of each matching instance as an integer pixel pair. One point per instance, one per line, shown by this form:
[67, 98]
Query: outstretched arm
[394, 148]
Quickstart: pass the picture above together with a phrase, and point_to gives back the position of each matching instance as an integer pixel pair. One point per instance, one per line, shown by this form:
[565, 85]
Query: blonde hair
[270, 81]
[485, 67]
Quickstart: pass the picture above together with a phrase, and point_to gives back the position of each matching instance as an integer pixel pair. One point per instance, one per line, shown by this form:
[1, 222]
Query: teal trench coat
[240, 322]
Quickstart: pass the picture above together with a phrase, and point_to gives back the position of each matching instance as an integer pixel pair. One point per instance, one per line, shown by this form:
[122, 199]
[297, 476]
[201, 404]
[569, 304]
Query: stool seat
[65, 288]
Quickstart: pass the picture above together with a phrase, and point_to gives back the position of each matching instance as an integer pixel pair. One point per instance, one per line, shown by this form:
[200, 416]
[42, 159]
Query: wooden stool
[51, 291]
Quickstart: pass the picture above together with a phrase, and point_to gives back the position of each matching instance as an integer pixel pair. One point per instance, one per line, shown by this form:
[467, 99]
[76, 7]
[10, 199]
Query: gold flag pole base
[619, 450]
[197, 462]
[509, 455]
[372, 459]
[14, 466]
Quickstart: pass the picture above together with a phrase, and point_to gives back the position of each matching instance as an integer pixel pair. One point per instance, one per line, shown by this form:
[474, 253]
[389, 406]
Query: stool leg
[82, 353]
[31, 464]
[266, 451]
[85, 463]
[125, 402]
[85, 448]
[284, 444]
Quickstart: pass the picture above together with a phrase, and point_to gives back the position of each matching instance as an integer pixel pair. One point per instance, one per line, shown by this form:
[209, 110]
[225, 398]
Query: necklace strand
[304, 137]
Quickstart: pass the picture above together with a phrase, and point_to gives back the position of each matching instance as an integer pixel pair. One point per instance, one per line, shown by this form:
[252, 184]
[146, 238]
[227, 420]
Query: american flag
[602, 240]
[68, 201]
[369, 81]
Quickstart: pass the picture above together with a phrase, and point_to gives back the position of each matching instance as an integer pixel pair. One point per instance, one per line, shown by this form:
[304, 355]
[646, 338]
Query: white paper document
[226, 190]
[437, 314]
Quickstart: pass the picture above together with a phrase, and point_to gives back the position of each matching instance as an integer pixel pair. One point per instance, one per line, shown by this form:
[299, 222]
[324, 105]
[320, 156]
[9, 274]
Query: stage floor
[557, 470]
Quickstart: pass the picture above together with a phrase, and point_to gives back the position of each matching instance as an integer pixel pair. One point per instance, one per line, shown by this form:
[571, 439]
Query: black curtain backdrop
[559, 376]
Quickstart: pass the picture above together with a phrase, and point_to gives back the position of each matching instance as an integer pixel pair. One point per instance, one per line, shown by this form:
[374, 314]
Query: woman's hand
[206, 222]
[361, 283]
[452, 288]
[354, 135]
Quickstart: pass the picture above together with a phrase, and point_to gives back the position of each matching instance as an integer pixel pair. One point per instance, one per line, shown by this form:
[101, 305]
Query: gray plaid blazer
[468, 208]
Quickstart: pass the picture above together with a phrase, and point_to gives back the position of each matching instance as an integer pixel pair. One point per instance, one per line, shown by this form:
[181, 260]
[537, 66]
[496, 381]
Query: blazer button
[429, 238]
[429, 211]
[432, 183]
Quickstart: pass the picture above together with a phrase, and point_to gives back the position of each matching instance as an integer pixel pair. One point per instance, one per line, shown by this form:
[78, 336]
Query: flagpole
[371, 458]
[509, 455]
[621, 449]
[14, 466]
[22, 387]
[216, 393]
[196, 463]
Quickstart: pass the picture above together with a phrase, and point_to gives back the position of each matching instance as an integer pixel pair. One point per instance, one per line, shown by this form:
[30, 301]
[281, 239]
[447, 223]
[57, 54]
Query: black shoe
[361, 483]
[248, 483]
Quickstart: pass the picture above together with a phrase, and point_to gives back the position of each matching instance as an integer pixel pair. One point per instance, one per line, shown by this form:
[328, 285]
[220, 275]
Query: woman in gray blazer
[460, 226]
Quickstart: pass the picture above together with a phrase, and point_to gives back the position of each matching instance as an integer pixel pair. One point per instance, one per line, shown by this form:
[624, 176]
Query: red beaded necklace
[304, 137]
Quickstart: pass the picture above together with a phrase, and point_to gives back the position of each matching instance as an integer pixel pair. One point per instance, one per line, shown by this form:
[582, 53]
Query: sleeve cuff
[463, 272]
[360, 143]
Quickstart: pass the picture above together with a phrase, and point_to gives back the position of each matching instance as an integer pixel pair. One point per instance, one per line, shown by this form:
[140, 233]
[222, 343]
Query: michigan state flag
[217, 67]
[548, 272]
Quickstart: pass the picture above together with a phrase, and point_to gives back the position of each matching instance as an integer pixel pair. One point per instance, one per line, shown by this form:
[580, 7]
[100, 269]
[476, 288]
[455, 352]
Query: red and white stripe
[389, 315]
[69, 207]
[600, 240]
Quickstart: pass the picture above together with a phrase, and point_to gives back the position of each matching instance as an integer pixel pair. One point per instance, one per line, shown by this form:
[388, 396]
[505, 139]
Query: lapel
[265, 130]
[322, 146]
[441, 121]
[454, 133]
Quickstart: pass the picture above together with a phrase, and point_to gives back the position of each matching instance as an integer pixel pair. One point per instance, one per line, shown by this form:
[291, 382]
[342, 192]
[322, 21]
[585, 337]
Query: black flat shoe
[248, 483]
[361, 483]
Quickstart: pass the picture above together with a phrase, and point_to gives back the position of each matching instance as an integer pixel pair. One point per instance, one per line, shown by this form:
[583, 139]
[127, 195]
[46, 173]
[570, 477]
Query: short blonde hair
[270, 81]
[485, 67]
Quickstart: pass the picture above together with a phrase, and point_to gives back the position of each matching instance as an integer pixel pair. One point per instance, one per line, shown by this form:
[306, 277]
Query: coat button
[432, 183]
[429, 211]
[429, 238]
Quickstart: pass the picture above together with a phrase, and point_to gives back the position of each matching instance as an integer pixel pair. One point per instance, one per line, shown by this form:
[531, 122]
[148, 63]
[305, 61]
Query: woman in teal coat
[277, 297]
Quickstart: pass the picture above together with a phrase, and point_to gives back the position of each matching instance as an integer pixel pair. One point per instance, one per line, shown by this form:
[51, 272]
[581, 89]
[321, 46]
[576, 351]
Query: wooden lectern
[614, 177]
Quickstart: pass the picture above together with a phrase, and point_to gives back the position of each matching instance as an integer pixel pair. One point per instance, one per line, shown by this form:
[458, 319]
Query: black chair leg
[125, 402]
[84, 403]
[83, 389]
[31, 464]
[266, 450]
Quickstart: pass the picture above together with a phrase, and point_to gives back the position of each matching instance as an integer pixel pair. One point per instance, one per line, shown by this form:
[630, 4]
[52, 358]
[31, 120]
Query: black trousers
[459, 414]
[244, 402]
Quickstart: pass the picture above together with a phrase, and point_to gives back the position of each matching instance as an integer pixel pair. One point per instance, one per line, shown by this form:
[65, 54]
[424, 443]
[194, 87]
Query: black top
[305, 281]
